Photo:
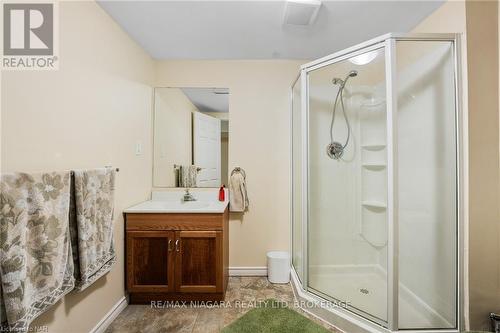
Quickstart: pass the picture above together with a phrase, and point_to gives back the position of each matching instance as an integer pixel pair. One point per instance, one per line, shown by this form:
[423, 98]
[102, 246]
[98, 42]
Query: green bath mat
[273, 317]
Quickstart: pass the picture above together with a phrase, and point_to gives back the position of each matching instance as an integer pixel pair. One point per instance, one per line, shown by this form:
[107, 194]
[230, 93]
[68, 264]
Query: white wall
[89, 113]
[334, 230]
[259, 127]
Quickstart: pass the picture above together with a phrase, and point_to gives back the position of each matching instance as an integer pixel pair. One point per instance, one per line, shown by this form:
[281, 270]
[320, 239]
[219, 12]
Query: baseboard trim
[103, 324]
[247, 271]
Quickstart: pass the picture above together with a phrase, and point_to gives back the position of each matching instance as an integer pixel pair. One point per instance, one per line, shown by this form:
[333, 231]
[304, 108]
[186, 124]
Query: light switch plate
[138, 148]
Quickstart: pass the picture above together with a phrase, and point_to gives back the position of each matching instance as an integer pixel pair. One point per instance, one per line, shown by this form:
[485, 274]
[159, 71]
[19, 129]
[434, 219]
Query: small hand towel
[188, 176]
[91, 224]
[238, 198]
[36, 266]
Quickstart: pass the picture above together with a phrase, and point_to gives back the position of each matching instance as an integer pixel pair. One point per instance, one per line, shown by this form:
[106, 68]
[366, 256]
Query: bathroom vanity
[175, 250]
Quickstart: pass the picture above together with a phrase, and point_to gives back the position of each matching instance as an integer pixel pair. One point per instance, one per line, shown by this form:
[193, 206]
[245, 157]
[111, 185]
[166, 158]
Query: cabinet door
[150, 261]
[198, 259]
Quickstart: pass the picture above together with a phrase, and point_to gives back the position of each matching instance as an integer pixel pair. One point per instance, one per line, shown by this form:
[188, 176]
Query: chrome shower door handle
[177, 249]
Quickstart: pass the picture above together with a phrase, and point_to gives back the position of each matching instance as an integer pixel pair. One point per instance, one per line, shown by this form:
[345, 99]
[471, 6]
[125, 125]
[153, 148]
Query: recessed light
[364, 58]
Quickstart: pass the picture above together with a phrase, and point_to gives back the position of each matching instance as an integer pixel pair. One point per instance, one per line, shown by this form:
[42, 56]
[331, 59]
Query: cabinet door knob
[177, 245]
[169, 245]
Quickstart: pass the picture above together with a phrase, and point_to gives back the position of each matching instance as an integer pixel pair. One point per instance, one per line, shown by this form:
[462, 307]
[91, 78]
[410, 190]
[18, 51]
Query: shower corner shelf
[374, 204]
[374, 166]
[373, 104]
[373, 147]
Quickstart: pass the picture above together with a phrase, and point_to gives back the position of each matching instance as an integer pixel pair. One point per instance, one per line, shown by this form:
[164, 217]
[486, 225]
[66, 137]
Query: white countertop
[171, 202]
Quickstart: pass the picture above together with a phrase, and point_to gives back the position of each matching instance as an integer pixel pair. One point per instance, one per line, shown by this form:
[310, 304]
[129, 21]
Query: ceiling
[255, 30]
[208, 99]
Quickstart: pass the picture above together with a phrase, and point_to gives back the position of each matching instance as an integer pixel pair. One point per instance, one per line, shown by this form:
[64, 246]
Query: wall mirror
[191, 137]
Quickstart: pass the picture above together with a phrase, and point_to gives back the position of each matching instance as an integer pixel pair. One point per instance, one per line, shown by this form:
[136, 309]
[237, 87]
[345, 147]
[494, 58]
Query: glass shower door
[427, 178]
[347, 194]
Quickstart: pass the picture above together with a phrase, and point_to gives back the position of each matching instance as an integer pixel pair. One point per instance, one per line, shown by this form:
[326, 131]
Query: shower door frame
[386, 42]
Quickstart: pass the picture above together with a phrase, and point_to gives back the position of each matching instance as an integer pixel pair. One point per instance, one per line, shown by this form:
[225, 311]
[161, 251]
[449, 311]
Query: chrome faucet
[188, 196]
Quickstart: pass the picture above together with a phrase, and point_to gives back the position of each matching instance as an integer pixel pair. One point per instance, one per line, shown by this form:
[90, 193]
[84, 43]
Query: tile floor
[242, 294]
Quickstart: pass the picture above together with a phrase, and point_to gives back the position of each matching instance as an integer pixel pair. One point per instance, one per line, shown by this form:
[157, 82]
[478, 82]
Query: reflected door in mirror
[207, 149]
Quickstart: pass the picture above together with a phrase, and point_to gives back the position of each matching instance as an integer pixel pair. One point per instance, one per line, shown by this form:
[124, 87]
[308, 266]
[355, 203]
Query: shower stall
[376, 183]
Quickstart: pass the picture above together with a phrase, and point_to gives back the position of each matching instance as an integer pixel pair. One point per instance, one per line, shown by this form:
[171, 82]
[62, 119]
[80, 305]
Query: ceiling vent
[301, 12]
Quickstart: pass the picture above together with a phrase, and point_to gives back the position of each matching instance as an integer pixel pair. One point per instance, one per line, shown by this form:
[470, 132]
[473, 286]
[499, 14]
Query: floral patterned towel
[36, 266]
[188, 176]
[91, 224]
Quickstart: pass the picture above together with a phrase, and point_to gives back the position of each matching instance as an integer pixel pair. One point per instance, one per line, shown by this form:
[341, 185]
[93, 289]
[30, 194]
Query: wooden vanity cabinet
[150, 261]
[173, 257]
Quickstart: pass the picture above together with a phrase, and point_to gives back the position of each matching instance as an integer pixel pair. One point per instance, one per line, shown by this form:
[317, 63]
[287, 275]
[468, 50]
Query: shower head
[341, 82]
[335, 149]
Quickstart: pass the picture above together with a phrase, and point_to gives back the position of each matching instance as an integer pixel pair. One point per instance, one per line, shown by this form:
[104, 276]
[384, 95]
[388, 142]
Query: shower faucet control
[335, 150]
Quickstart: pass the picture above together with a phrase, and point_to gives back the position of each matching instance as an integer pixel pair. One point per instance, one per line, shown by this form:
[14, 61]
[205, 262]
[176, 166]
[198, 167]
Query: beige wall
[478, 21]
[89, 113]
[484, 225]
[172, 134]
[218, 115]
[259, 142]
[449, 18]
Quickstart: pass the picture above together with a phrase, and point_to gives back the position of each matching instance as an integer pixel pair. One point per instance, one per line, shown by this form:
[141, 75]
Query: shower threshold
[347, 284]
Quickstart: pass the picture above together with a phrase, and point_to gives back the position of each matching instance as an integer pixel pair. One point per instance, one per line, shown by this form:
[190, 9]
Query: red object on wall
[222, 193]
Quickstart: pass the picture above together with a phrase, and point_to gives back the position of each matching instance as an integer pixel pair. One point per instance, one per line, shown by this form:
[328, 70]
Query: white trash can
[278, 267]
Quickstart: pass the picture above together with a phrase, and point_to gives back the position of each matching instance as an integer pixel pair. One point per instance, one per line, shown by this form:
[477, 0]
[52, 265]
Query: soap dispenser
[222, 193]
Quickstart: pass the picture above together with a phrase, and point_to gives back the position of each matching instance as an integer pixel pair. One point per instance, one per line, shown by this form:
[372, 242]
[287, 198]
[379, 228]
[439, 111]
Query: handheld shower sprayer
[335, 149]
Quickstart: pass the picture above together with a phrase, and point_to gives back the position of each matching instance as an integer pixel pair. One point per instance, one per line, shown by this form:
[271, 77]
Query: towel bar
[177, 166]
[239, 169]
